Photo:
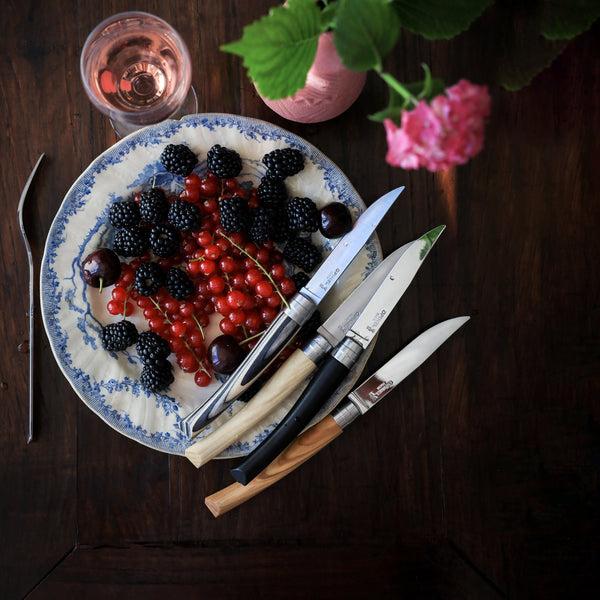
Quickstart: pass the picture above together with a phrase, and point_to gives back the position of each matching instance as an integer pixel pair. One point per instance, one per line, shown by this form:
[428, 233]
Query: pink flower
[447, 132]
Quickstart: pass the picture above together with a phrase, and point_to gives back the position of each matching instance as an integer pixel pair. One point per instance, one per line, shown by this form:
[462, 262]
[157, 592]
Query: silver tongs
[31, 312]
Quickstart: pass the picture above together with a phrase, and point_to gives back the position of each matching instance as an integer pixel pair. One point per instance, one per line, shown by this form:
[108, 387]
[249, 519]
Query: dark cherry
[225, 354]
[335, 220]
[101, 268]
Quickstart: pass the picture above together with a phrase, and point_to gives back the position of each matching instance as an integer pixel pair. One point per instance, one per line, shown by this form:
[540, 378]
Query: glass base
[189, 107]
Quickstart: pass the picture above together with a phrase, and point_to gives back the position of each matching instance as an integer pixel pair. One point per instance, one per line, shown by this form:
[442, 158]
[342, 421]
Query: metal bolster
[346, 413]
[300, 309]
[348, 352]
[316, 348]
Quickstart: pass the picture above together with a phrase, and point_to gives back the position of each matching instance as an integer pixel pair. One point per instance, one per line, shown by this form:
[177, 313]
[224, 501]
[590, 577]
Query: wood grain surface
[477, 478]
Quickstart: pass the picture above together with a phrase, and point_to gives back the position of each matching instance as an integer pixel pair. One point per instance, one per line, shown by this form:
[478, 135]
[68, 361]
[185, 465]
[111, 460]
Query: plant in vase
[308, 58]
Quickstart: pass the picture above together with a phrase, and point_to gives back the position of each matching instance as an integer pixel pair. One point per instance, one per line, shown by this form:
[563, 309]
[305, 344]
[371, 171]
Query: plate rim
[43, 273]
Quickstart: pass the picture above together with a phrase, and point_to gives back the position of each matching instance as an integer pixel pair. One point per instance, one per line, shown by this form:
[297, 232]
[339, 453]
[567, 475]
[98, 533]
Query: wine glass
[137, 70]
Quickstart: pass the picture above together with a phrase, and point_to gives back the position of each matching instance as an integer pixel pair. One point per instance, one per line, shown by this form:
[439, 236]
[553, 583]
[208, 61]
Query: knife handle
[327, 379]
[293, 372]
[305, 446]
[281, 331]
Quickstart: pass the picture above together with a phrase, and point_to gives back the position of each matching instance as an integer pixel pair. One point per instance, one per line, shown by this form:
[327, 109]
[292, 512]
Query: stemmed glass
[137, 70]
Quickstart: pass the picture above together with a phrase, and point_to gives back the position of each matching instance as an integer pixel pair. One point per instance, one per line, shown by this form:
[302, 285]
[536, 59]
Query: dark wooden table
[477, 479]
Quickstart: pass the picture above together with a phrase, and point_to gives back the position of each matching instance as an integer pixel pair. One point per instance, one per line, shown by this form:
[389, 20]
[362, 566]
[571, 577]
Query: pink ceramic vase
[330, 88]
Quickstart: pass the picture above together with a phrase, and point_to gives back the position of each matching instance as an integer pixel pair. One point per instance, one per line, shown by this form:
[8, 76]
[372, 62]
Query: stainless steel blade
[348, 247]
[387, 295]
[385, 379]
[343, 317]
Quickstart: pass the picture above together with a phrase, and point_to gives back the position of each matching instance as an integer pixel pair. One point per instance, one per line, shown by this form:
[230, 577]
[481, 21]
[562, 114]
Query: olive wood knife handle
[285, 380]
[304, 447]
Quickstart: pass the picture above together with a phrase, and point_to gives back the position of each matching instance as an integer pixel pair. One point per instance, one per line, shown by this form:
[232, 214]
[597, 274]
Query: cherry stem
[101, 285]
[252, 337]
[265, 272]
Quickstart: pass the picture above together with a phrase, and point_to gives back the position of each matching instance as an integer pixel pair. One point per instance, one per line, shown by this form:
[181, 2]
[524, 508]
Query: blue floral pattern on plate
[73, 312]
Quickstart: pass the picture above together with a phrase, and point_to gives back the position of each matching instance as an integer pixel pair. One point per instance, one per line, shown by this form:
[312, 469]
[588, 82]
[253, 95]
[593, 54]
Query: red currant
[171, 307]
[253, 276]
[287, 286]
[237, 317]
[114, 307]
[227, 264]
[208, 267]
[278, 272]
[194, 268]
[202, 378]
[216, 285]
[273, 301]
[253, 321]
[196, 339]
[177, 345]
[190, 194]
[268, 314]
[186, 309]
[263, 256]
[204, 238]
[119, 294]
[210, 207]
[156, 323]
[187, 361]
[193, 181]
[213, 252]
[227, 327]
[264, 289]
[178, 329]
[209, 186]
[235, 298]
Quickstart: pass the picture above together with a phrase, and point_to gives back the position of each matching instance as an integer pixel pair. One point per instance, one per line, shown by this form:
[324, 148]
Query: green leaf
[521, 52]
[439, 19]
[279, 49]
[328, 15]
[564, 19]
[365, 31]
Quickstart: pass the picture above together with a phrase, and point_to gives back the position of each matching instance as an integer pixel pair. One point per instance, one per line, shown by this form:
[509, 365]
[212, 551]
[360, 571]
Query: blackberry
[180, 286]
[130, 242]
[164, 240]
[302, 214]
[282, 163]
[223, 162]
[179, 160]
[118, 336]
[281, 231]
[124, 214]
[183, 215]
[149, 278]
[234, 214]
[157, 376]
[300, 279]
[153, 206]
[302, 253]
[261, 227]
[151, 347]
[271, 192]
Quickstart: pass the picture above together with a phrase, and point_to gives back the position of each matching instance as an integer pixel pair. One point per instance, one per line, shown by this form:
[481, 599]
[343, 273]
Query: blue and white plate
[73, 312]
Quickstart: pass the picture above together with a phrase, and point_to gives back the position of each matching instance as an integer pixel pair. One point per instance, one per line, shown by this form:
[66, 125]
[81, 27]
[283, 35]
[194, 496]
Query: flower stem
[398, 87]
[265, 272]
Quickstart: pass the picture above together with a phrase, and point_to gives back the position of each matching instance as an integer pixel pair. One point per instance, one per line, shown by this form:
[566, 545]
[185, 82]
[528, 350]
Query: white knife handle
[285, 380]
[305, 446]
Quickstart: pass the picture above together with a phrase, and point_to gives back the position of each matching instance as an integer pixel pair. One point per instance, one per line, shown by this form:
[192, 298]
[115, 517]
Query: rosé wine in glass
[136, 69]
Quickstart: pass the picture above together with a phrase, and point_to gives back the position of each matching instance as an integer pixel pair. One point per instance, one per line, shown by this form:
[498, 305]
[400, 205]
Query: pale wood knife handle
[291, 374]
[304, 447]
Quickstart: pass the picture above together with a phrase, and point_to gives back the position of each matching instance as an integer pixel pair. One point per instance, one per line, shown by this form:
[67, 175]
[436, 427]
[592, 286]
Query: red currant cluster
[245, 283]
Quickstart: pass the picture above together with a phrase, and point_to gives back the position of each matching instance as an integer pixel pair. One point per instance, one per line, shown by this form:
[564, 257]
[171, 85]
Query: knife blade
[301, 364]
[359, 401]
[338, 364]
[286, 325]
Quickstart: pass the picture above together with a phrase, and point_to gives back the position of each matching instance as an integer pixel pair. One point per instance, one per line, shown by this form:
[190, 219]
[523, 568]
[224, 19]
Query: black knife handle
[326, 381]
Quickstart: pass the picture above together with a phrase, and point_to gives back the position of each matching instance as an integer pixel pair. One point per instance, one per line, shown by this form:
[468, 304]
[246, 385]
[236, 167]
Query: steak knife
[295, 369]
[286, 325]
[338, 363]
[359, 401]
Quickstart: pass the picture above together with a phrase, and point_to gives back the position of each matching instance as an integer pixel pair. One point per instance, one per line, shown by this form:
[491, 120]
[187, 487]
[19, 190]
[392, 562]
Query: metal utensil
[31, 312]
[336, 366]
[288, 322]
[358, 402]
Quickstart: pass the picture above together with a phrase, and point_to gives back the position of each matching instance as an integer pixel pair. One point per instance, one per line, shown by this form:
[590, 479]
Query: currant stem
[252, 337]
[200, 328]
[265, 272]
